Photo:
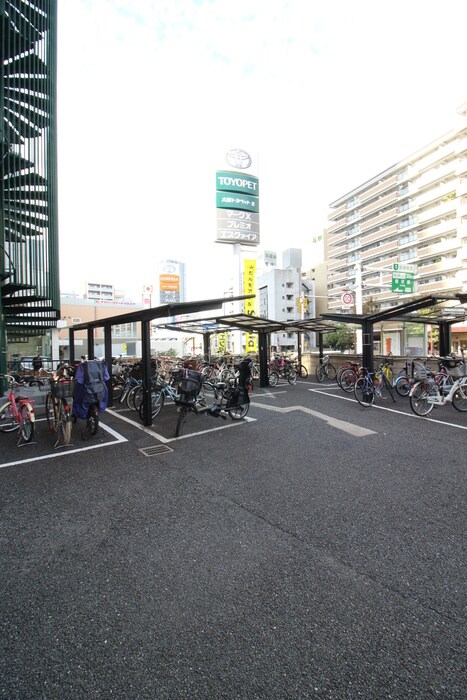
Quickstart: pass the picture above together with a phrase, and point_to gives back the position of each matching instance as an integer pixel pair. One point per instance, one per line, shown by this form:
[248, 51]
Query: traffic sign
[347, 298]
[403, 282]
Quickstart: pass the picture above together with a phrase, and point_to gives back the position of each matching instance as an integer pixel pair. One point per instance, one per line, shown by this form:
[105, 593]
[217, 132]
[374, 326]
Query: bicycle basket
[62, 388]
[189, 385]
[455, 369]
[420, 370]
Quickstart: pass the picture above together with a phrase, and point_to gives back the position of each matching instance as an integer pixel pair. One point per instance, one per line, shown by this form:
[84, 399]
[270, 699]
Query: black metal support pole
[108, 359]
[367, 344]
[444, 338]
[71, 346]
[263, 359]
[90, 343]
[299, 348]
[207, 347]
[320, 345]
[146, 362]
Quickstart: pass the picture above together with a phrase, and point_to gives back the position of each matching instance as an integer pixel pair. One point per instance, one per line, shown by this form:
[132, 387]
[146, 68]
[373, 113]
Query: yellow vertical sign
[222, 343]
[249, 287]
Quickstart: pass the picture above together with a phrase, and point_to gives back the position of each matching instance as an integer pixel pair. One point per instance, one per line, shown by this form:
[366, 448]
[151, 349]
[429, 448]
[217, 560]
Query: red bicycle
[17, 413]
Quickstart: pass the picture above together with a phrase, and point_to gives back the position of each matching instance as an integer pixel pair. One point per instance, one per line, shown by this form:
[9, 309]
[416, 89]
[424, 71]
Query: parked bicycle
[281, 367]
[160, 390]
[230, 398]
[58, 404]
[17, 413]
[90, 394]
[372, 384]
[325, 370]
[428, 393]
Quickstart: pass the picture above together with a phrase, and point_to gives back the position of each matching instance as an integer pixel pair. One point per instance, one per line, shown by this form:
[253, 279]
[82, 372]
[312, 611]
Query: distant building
[414, 212]
[285, 295]
[98, 290]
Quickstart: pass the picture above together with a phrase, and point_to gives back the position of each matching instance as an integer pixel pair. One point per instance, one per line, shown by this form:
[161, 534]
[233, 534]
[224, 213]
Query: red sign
[347, 298]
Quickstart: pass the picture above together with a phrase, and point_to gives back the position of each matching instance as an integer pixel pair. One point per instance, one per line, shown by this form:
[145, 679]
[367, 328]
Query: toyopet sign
[237, 200]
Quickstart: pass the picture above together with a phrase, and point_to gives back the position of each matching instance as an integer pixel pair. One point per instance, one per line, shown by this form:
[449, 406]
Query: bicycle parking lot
[318, 545]
[308, 399]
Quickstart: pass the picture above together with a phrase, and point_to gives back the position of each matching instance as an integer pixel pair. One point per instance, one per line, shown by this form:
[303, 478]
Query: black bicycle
[230, 398]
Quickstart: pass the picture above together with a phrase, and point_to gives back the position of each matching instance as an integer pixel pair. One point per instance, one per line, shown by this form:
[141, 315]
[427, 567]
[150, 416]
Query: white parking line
[163, 439]
[66, 451]
[394, 410]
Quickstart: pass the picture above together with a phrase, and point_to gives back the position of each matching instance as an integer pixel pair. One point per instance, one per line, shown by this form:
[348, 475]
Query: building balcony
[437, 212]
[433, 194]
[377, 189]
[337, 226]
[447, 285]
[448, 226]
[440, 248]
[379, 203]
[334, 265]
[385, 216]
[441, 267]
[447, 150]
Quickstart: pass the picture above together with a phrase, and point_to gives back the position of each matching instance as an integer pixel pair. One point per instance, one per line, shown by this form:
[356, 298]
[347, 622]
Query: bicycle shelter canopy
[404, 313]
[144, 316]
[252, 324]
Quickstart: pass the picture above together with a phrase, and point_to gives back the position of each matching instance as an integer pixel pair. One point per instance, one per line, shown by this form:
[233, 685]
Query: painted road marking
[350, 428]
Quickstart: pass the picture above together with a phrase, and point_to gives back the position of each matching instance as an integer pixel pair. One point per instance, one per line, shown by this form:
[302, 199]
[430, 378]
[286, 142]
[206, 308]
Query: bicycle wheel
[64, 422]
[444, 381]
[273, 378]
[207, 394]
[320, 373]
[157, 403]
[182, 411]
[27, 424]
[302, 371]
[402, 385]
[347, 380]
[292, 376]
[8, 422]
[131, 397]
[331, 372]
[364, 392]
[51, 412]
[239, 412]
[118, 386]
[459, 399]
[92, 421]
[419, 399]
[388, 387]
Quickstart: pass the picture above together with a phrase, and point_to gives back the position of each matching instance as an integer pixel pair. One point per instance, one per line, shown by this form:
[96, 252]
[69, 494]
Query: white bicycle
[427, 394]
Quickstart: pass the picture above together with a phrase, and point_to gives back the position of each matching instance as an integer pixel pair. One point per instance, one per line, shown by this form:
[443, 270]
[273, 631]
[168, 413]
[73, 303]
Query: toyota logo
[237, 158]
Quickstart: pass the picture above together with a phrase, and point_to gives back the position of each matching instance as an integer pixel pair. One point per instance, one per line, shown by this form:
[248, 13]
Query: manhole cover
[155, 450]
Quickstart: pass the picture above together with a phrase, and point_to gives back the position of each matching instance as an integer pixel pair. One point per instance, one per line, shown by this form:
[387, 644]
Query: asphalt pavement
[314, 551]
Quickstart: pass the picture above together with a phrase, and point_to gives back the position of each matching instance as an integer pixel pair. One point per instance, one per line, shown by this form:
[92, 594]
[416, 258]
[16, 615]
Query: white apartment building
[414, 212]
[283, 295]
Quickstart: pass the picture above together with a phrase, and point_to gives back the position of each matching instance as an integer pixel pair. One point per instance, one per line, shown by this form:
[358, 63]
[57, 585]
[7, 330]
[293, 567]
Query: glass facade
[29, 279]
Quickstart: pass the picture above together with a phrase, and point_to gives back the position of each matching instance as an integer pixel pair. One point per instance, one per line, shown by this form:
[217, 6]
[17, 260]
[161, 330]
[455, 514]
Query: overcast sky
[151, 93]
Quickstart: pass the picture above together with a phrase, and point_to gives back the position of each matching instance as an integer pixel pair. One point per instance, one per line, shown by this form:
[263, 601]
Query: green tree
[342, 338]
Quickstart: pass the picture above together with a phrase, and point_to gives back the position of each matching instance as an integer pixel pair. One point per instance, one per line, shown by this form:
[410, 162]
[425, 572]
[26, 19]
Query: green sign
[403, 282]
[228, 181]
[232, 200]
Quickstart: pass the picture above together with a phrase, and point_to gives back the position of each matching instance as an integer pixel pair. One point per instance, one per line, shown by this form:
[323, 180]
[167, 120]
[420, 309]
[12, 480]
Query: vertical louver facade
[29, 280]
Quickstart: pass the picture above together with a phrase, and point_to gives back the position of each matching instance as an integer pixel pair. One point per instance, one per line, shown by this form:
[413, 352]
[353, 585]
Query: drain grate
[155, 450]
